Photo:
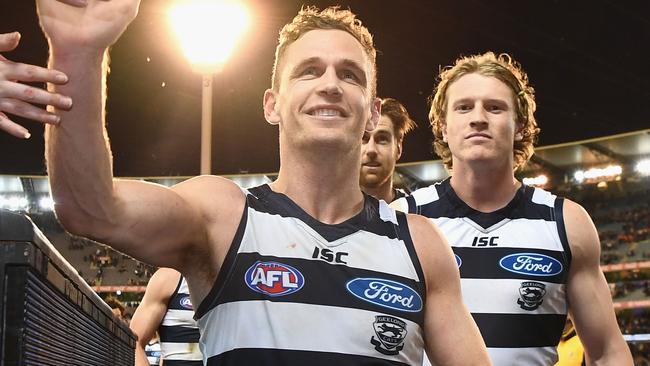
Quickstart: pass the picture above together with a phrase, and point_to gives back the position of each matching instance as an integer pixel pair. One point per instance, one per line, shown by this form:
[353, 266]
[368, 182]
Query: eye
[464, 107]
[494, 108]
[349, 75]
[309, 71]
[383, 140]
[365, 138]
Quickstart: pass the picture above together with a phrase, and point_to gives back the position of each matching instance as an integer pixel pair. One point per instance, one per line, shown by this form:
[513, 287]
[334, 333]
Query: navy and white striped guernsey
[179, 332]
[295, 291]
[514, 264]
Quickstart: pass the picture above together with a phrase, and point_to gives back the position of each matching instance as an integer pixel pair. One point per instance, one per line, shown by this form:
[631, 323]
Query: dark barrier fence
[48, 314]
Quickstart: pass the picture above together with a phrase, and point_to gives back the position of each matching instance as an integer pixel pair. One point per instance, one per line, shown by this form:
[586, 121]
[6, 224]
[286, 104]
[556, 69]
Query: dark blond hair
[402, 122]
[310, 18]
[508, 71]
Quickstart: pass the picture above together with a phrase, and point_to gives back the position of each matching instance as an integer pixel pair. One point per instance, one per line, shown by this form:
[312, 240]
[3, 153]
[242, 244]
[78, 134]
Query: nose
[478, 118]
[330, 85]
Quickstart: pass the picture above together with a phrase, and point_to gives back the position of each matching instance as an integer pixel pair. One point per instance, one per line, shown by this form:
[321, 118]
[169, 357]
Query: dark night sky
[588, 60]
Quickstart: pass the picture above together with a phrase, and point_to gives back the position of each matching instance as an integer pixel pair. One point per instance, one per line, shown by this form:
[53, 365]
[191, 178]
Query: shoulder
[212, 195]
[434, 253]
[164, 282]
[581, 232]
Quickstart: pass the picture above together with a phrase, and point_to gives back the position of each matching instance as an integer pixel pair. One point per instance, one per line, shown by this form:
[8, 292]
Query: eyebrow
[488, 100]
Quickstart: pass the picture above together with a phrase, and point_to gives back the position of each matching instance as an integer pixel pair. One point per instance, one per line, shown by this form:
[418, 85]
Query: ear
[375, 114]
[519, 132]
[270, 102]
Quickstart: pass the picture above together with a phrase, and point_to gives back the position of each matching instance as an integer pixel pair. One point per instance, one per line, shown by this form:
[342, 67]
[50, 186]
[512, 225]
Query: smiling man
[282, 274]
[381, 149]
[527, 258]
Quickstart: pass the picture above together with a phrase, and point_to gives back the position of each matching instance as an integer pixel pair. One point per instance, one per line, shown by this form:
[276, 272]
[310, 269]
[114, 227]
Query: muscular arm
[148, 316]
[451, 336]
[590, 302]
[162, 226]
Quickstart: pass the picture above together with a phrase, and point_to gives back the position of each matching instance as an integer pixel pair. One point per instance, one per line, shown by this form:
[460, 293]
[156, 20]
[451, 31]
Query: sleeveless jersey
[295, 291]
[513, 264]
[179, 332]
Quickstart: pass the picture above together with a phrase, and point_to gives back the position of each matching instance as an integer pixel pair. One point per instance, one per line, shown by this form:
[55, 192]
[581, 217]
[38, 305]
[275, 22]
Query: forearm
[140, 356]
[77, 151]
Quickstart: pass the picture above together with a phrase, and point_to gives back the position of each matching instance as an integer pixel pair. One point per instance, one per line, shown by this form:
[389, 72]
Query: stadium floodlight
[207, 31]
[608, 172]
[643, 167]
[538, 181]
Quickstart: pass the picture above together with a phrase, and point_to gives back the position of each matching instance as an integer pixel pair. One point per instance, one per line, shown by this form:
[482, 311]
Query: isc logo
[329, 256]
[485, 241]
[273, 278]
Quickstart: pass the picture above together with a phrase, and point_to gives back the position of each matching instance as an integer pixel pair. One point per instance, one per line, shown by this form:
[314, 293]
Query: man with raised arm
[305, 270]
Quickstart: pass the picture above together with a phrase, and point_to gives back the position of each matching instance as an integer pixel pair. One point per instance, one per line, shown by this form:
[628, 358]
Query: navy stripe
[561, 229]
[405, 234]
[276, 357]
[178, 334]
[263, 199]
[182, 363]
[323, 285]
[451, 206]
[483, 263]
[224, 273]
[413, 207]
[520, 330]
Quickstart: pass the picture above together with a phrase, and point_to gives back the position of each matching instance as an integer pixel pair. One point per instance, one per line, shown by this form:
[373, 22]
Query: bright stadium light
[46, 203]
[538, 181]
[207, 31]
[643, 167]
[608, 172]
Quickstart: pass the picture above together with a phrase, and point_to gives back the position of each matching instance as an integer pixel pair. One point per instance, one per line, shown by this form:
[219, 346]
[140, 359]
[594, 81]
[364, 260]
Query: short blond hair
[310, 18]
[508, 71]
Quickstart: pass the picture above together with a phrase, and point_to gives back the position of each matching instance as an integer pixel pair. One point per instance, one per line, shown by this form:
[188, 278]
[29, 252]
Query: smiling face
[380, 150]
[480, 121]
[323, 98]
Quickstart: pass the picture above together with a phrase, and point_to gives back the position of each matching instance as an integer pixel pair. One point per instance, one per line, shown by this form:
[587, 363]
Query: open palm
[95, 26]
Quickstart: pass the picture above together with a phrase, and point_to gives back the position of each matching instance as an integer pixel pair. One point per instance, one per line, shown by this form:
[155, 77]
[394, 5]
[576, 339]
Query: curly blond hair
[310, 18]
[508, 71]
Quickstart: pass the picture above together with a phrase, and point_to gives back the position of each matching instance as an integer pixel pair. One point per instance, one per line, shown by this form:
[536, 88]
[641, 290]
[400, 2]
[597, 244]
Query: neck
[485, 189]
[323, 183]
[383, 191]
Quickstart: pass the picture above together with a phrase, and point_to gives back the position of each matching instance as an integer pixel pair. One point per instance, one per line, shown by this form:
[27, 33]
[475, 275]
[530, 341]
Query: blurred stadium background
[609, 176]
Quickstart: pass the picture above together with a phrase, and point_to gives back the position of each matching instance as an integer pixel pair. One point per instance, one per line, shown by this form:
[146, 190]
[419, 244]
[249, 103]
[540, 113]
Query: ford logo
[273, 278]
[386, 293]
[186, 303]
[459, 261]
[531, 264]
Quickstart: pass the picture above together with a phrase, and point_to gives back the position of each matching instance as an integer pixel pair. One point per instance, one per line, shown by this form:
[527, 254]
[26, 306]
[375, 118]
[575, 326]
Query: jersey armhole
[405, 235]
[561, 229]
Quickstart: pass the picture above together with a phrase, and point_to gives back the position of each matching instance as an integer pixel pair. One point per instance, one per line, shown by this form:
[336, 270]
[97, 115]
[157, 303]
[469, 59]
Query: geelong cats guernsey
[179, 332]
[513, 264]
[295, 291]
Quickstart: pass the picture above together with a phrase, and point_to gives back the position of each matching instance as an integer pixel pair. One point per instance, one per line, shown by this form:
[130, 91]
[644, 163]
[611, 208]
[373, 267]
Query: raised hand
[87, 25]
[19, 99]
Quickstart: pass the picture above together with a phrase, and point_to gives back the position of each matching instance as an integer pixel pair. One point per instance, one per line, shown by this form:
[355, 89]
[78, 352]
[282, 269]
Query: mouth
[371, 164]
[478, 135]
[329, 111]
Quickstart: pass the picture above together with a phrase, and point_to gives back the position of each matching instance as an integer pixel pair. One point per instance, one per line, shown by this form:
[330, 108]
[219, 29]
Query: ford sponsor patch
[386, 293]
[459, 261]
[186, 303]
[273, 278]
[533, 264]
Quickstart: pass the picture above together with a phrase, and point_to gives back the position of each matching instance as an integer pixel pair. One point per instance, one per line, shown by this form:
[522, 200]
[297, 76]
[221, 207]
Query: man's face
[380, 151]
[480, 120]
[323, 98]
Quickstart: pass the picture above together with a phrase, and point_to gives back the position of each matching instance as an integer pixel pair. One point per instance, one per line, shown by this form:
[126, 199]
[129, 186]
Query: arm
[590, 302]
[17, 98]
[127, 215]
[148, 316]
[451, 336]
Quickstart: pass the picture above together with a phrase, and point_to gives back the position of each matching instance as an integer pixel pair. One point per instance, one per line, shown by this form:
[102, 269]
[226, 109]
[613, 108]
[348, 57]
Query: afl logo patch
[186, 303]
[386, 293]
[532, 264]
[273, 278]
[459, 261]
